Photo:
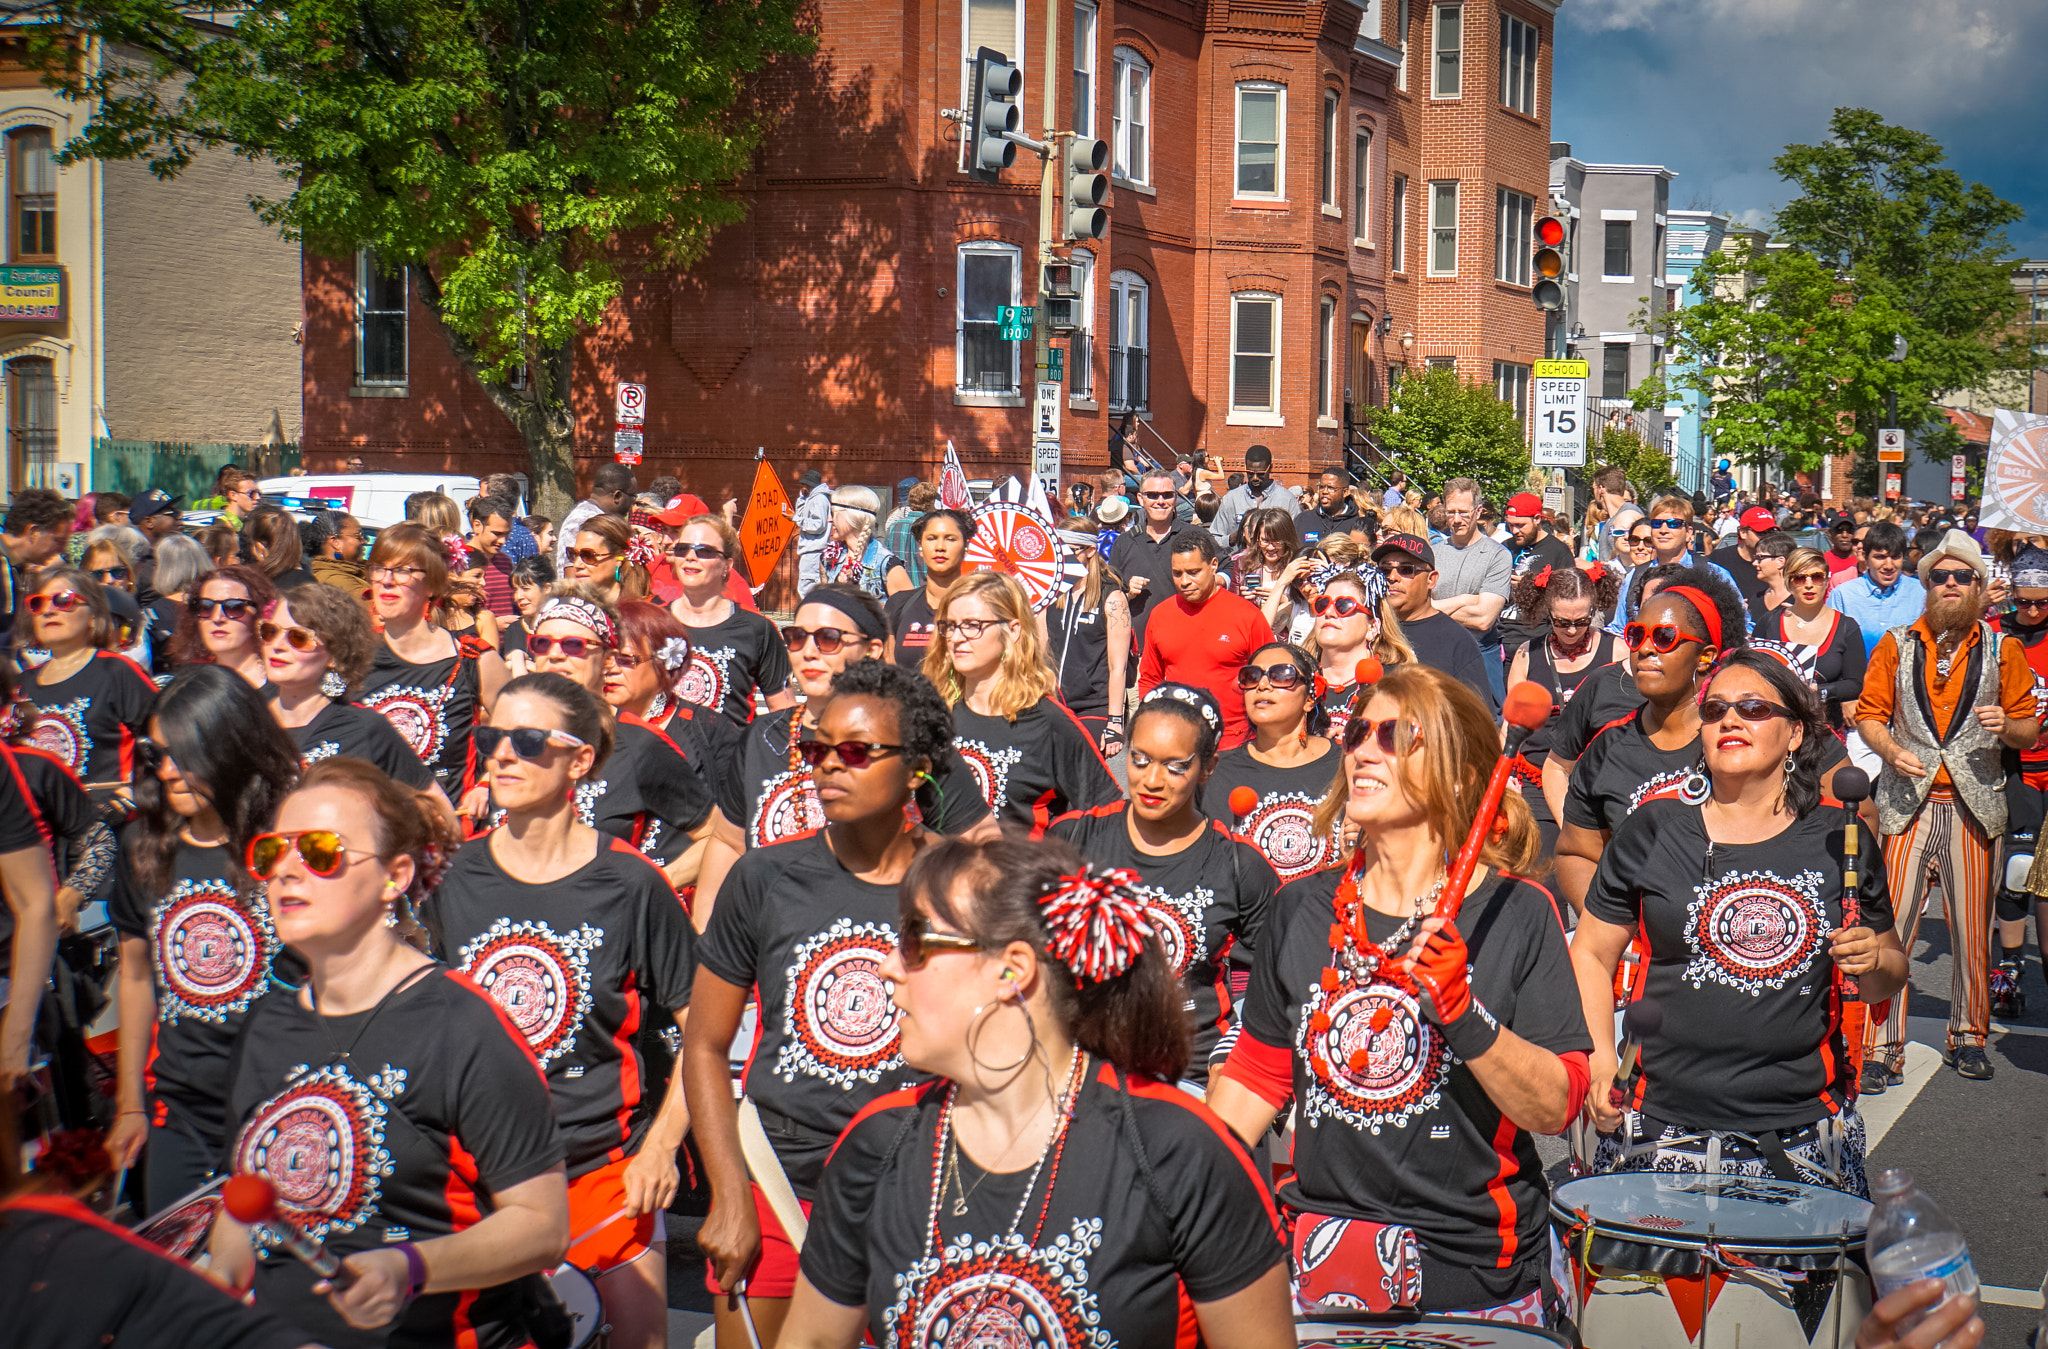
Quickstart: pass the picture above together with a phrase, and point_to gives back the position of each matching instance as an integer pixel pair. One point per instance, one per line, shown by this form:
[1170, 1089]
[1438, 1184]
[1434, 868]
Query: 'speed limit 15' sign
[1557, 407]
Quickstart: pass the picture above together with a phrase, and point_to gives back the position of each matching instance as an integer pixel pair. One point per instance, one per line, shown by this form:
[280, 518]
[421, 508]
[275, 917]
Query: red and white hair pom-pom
[1095, 923]
[644, 550]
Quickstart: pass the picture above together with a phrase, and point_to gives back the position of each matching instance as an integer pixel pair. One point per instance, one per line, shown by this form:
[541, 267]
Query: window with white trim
[1255, 353]
[1397, 224]
[1130, 301]
[1361, 186]
[1619, 252]
[1443, 228]
[1084, 69]
[1518, 41]
[1329, 165]
[998, 24]
[1081, 342]
[1131, 117]
[1326, 358]
[381, 356]
[32, 190]
[1511, 382]
[1261, 113]
[1447, 51]
[1614, 370]
[1514, 218]
[990, 274]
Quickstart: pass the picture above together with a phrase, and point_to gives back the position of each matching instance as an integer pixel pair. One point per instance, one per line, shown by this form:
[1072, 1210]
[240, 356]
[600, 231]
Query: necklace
[1055, 1146]
[953, 1168]
[655, 709]
[1360, 957]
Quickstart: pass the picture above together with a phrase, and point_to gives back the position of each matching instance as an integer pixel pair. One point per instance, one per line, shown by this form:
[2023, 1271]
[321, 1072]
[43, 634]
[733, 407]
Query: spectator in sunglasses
[219, 623]
[1351, 618]
[1408, 564]
[1143, 555]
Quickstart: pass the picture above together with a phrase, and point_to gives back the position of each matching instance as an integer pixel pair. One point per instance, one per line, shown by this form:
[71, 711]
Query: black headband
[869, 625]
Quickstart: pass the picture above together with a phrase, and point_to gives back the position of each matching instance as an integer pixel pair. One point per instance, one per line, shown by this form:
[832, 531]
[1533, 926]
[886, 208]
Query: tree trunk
[539, 411]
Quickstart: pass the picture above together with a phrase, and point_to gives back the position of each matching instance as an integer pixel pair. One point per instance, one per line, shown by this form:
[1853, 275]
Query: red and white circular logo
[416, 715]
[703, 680]
[1755, 929]
[789, 806]
[839, 1020]
[320, 1141]
[213, 955]
[61, 731]
[1370, 1075]
[540, 977]
[1001, 1294]
[1283, 830]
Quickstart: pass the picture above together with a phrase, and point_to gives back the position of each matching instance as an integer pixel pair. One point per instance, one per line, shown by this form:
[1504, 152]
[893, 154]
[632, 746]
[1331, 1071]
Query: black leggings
[178, 1163]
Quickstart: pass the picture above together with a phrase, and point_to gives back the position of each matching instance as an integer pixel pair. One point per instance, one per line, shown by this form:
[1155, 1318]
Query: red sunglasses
[1358, 728]
[62, 603]
[1663, 638]
[854, 754]
[1343, 605]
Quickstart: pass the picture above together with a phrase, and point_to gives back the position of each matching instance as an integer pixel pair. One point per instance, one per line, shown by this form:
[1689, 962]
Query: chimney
[1560, 149]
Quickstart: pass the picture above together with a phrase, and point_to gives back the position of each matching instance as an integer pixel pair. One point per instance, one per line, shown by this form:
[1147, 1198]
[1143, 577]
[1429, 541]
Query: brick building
[1308, 197]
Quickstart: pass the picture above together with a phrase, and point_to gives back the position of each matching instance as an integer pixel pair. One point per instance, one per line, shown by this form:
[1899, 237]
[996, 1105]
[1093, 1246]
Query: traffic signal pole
[1048, 171]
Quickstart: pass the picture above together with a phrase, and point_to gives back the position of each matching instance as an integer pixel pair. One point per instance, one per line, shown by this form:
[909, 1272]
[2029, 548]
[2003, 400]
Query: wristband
[415, 1270]
[1473, 1033]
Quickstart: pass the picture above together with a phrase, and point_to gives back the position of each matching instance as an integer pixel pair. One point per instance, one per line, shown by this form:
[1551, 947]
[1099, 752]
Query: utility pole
[1048, 170]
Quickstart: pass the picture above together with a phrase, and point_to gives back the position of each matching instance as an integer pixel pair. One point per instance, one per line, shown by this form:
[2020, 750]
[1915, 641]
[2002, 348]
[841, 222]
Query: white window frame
[1629, 233]
[985, 247]
[1087, 16]
[967, 49]
[1518, 67]
[1511, 386]
[1326, 363]
[1436, 229]
[1124, 288]
[1397, 224]
[1084, 289]
[1130, 71]
[1361, 186]
[1401, 17]
[1333, 107]
[1438, 52]
[366, 266]
[1514, 217]
[1268, 415]
[1279, 92]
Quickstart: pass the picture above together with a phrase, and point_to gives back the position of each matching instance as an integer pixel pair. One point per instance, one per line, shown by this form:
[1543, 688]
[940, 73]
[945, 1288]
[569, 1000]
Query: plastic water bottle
[1910, 1239]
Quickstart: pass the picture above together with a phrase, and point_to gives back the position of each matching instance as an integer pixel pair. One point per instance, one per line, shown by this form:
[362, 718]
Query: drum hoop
[1691, 1240]
[1367, 1321]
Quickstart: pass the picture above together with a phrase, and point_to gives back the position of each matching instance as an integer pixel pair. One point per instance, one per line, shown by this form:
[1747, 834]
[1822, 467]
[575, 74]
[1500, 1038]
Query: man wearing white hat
[1943, 699]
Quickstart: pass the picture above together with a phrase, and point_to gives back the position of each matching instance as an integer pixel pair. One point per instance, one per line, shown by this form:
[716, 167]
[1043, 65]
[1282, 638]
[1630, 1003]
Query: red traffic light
[1549, 231]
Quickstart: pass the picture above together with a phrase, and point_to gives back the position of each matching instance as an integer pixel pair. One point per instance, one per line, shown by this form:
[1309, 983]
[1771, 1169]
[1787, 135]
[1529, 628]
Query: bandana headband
[1704, 606]
[2030, 569]
[853, 613]
[583, 614]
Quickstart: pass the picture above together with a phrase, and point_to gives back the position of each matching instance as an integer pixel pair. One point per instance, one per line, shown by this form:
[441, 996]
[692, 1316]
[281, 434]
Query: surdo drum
[1430, 1332]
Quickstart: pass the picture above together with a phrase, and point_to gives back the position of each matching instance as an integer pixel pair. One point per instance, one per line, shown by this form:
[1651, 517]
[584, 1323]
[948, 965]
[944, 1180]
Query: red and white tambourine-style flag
[953, 493]
[1019, 542]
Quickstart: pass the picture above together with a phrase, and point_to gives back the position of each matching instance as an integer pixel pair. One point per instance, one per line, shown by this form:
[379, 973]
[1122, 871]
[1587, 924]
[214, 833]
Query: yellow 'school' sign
[1562, 369]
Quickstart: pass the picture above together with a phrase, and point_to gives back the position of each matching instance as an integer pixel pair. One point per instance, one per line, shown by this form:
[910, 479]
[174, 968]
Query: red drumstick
[252, 1200]
[1243, 801]
[1368, 672]
[1526, 708]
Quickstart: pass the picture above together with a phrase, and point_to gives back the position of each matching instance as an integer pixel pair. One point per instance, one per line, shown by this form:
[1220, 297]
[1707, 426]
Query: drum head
[1665, 1206]
[181, 1229]
[579, 1294]
[1431, 1332]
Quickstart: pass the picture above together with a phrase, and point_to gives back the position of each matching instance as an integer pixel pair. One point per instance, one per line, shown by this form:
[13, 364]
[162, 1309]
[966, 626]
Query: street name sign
[1016, 321]
[1558, 413]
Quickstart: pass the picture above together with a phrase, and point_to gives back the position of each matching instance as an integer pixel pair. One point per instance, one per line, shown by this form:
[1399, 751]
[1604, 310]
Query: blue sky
[1715, 89]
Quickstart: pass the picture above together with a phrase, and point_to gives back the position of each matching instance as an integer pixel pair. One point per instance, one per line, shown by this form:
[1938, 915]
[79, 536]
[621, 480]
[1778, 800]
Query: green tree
[1438, 427]
[510, 154]
[1643, 464]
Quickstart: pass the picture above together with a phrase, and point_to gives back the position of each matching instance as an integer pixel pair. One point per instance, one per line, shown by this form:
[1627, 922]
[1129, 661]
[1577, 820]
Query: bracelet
[119, 1113]
[415, 1269]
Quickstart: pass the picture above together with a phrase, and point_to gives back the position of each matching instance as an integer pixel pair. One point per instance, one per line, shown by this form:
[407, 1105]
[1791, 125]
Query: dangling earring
[1697, 786]
[657, 707]
[980, 1021]
[333, 686]
[1789, 764]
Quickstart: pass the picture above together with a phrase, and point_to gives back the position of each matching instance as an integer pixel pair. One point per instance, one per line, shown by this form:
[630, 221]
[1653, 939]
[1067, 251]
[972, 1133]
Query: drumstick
[252, 1200]
[1852, 785]
[1243, 801]
[1526, 708]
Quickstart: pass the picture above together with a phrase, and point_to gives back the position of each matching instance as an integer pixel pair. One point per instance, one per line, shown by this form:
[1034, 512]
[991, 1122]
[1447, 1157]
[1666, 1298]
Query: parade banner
[953, 493]
[769, 521]
[2016, 474]
[1014, 538]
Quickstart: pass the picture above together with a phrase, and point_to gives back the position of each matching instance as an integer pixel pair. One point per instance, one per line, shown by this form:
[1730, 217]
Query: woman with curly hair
[219, 623]
[1033, 758]
[1565, 603]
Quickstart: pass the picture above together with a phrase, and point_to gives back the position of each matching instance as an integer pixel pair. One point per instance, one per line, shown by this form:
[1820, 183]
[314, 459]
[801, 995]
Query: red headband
[1704, 606]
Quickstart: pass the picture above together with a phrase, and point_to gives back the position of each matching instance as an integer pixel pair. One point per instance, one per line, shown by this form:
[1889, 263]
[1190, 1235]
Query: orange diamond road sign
[769, 521]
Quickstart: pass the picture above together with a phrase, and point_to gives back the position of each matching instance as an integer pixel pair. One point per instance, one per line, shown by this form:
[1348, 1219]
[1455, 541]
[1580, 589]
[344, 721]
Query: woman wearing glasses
[1827, 643]
[1752, 952]
[91, 703]
[1205, 889]
[219, 623]
[1026, 1197]
[197, 944]
[941, 537]
[391, 1103]
[1565, 602]
[807, 926]
[1403, 1036]
[1353, 620]
[428, 684]
[1288, 763]
[600, 555]
[1033, 759]
[1089, 627]
[317, 645]
[733, 651]
[568, 930]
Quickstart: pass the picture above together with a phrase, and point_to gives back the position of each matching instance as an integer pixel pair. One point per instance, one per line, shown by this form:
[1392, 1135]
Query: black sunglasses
[1961, 576]
[206, 608]
[852, 753]
[1749, 709]
[528, 742]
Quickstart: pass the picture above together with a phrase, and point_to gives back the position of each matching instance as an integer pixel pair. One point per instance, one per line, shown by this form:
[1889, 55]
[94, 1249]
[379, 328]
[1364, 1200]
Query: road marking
[1937, 1029]
[2009, 1297]
[1880, 1113]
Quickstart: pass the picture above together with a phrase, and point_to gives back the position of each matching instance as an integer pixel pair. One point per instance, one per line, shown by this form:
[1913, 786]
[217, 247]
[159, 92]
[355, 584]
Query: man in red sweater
[1204, 634]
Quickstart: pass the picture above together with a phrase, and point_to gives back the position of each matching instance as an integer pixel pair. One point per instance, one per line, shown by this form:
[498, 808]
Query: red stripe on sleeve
[1578, 1080]
[1266, 1071]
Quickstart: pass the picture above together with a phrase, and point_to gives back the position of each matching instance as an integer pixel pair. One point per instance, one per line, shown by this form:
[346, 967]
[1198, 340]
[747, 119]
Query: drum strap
[769, 1175]
[1772, 1145]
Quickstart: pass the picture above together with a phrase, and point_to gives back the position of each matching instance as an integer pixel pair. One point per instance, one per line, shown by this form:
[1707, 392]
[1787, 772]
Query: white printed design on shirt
[1370, 1078]
[588, 794]
[320, 1141]
[1754, 930]
[212, 952]
[326, 749]
[1282, 828]
[1179, 921]
[419, 715]
[838, 1019]
[1002, 1293]
[539, 976]
[60, 730]
[789, 806]
[708, 677]
[991, 769]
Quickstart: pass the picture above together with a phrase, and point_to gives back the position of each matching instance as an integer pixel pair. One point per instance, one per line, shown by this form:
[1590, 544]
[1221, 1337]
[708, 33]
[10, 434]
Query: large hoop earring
[980, 1022]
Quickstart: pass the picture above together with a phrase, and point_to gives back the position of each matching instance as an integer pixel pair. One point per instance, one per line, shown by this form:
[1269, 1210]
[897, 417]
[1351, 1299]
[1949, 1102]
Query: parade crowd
[1096, 973]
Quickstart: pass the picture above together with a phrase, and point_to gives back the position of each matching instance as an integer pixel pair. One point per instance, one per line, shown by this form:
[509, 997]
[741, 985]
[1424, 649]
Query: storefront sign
[32, 294]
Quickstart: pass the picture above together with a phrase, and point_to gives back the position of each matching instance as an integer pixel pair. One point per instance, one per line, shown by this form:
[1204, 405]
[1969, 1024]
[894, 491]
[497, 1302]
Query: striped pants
[1943, 838]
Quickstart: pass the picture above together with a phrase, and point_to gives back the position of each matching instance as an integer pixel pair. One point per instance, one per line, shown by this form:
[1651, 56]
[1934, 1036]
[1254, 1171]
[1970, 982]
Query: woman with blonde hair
[1089, 629]
[1032, 757]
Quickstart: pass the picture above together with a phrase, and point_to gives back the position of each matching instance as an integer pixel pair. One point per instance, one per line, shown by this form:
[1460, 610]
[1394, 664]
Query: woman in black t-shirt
[317, 645]
[219, 625]
[568, 931]
[941, 537]
[392, 1104]
[1051, 1187]
[1562, 605]
[1089, 627]
[1352, 621]
[532, 577]
[1751, 951]
[1031, 757]
[197, 944]
[1288, 763]
[734, 652]
[1421, 1060]
[1826, 642]
[90, 701]
[1206, 890]
[806, 925]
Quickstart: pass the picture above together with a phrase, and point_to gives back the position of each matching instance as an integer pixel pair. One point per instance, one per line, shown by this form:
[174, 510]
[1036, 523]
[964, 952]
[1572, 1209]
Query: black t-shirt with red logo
[1108, 1267]
[346, 730]
[1037, 767]
[211, 948]
[911, 620]
[810, 937]
[772, 797]
[1739, 1020]
[1412, 1138]
[1208, 897]
[92, 720]
[1621, 768]
[1282, 825]
[41, 803]
[648, 792]
[395, 1124]
[571, 961]
[729, 660]
[432, 706]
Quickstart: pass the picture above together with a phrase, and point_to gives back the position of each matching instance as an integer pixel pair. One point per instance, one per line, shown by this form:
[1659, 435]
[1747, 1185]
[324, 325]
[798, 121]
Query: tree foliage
[1439, 427]
[1646, 466]
[500, 150]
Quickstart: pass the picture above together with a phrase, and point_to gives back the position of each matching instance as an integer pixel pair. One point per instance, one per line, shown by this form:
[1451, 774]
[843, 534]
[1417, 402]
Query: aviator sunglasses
[299, 639]
[917, 943]
[1382, 733]
[321, 850]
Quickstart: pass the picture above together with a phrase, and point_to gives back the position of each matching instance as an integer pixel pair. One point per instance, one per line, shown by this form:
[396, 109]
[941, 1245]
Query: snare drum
[1430, 1332]
[578, 1292]
[1666, 1260]
[181, 1230]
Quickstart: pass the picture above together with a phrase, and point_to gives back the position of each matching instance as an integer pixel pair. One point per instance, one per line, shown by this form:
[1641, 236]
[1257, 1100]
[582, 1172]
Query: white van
[376, 499]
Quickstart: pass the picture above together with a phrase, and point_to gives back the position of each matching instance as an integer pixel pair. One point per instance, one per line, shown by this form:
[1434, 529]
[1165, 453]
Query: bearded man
[1943, 699]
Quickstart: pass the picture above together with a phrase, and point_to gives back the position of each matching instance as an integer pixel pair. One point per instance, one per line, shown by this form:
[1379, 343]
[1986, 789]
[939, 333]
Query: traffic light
[992, 110]
[1548, 264]
[1059, 295]
[1086, 175]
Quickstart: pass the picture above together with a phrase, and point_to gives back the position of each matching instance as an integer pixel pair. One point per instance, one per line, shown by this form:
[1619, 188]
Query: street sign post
[1956, 469]
[1015, 321]
[632, 404]
[1558, 413]
[1891, 445]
